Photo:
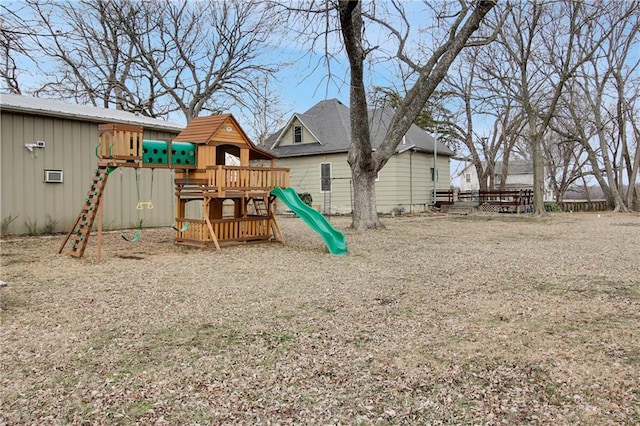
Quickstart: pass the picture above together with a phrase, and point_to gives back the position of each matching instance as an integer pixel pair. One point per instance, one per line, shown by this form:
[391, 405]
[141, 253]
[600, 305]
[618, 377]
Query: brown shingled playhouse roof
[200, 130]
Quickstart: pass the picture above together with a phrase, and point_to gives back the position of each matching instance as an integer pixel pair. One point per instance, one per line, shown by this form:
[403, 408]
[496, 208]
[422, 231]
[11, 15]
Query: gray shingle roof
[329, 122]
[516, 167]
[57, 108]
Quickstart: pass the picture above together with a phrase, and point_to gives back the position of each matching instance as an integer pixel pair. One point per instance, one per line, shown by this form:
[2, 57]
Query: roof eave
[94, 119]
[310, 154]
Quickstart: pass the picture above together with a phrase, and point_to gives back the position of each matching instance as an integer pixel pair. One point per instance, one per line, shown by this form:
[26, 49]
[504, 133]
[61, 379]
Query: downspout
[435, 166]
[411, 181]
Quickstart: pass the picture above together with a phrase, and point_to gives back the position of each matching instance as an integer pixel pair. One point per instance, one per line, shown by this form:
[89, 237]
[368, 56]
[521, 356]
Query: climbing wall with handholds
[163, 153]
[79, 233]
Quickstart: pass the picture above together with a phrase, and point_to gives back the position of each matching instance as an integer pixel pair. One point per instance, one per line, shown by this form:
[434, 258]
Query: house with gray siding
[314, 146]
[47, 159]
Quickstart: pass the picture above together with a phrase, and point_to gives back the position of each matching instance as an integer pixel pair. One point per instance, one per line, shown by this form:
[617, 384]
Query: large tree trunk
[364, 200]
[538, 176]
[614, 199]
[363, 167]
[535, 137]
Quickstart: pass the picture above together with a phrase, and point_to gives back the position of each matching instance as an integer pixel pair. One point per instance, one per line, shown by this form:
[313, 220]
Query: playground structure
[216, 203]
[198, 155]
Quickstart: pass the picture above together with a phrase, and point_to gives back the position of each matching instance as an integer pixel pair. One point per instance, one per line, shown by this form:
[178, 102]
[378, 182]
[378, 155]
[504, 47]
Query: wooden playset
[234, 202]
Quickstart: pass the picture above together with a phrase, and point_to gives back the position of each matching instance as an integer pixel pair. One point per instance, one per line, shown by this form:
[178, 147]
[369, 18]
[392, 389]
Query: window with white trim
[325, 177]
[297, 134]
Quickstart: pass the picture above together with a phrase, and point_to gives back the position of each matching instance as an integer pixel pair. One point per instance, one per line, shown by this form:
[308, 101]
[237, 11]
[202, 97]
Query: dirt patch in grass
[487, 319]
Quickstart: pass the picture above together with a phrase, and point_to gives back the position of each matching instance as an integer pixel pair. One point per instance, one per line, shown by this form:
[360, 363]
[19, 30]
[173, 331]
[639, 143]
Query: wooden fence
[582, 206]
[519, 201]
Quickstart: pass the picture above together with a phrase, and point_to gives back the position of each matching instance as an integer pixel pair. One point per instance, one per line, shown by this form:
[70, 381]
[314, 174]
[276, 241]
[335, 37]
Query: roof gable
[329, 122]
[295, 118]
[202, 130]
[220, 129]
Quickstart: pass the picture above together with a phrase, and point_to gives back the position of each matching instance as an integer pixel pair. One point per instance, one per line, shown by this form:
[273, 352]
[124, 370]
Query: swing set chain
[142, 204]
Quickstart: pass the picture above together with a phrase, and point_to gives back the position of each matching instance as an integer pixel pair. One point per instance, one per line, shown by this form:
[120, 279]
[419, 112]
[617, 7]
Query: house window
[434, 175]
[325, 177]
[297, 134]
[467, 177]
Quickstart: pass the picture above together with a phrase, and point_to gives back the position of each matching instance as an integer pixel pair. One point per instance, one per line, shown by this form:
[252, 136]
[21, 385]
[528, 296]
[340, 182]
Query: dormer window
[297, 134]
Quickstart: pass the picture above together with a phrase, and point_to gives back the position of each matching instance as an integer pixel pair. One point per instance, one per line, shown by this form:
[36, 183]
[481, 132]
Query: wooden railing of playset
[239, 178]
[225, 229]
[119, 142]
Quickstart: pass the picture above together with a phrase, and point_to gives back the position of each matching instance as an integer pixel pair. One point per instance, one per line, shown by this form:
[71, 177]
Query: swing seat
[134, 239]
[142, 204]
[184, 227]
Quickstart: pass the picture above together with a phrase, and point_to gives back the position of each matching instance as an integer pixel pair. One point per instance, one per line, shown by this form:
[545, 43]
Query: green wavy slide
[333, 238]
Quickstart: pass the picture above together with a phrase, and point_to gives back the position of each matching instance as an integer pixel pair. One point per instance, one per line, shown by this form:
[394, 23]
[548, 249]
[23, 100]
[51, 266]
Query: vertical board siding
[70, 147]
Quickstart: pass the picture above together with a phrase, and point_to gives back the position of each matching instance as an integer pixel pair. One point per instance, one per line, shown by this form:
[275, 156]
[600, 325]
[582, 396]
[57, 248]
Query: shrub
[552, 207]
[6, 222]
[49, 227]
[32, 227]
[306, 198]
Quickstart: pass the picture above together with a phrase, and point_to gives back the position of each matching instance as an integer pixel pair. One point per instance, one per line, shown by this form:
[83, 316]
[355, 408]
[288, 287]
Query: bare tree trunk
[538, 168]
[632, 195]
[364, 190]
[363, 168]
[365, 163]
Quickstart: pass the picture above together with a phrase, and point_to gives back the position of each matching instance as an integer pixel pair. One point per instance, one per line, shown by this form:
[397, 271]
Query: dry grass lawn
[486, 319]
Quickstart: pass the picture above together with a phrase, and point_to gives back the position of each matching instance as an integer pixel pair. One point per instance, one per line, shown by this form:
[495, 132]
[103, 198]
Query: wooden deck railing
[238, 178]
[497, 201]
[226, 230]
[499, 198]
[445, 197]
[119, 142]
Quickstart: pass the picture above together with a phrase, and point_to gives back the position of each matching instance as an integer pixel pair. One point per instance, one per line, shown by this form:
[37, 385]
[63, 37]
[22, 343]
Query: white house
[519, 176]
[314, 146]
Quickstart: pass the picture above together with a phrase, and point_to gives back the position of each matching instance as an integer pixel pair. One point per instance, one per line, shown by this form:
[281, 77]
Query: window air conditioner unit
[53, 176]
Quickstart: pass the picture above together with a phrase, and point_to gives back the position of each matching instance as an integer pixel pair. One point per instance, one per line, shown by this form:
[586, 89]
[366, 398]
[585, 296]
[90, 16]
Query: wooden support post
[212, 233]
[64, 243]
[100, 216]
[272, 219]
[220, 178]
[244, 157]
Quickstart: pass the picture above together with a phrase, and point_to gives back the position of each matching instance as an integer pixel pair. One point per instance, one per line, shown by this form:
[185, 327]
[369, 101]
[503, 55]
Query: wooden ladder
[84, 223]
[260, 205]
